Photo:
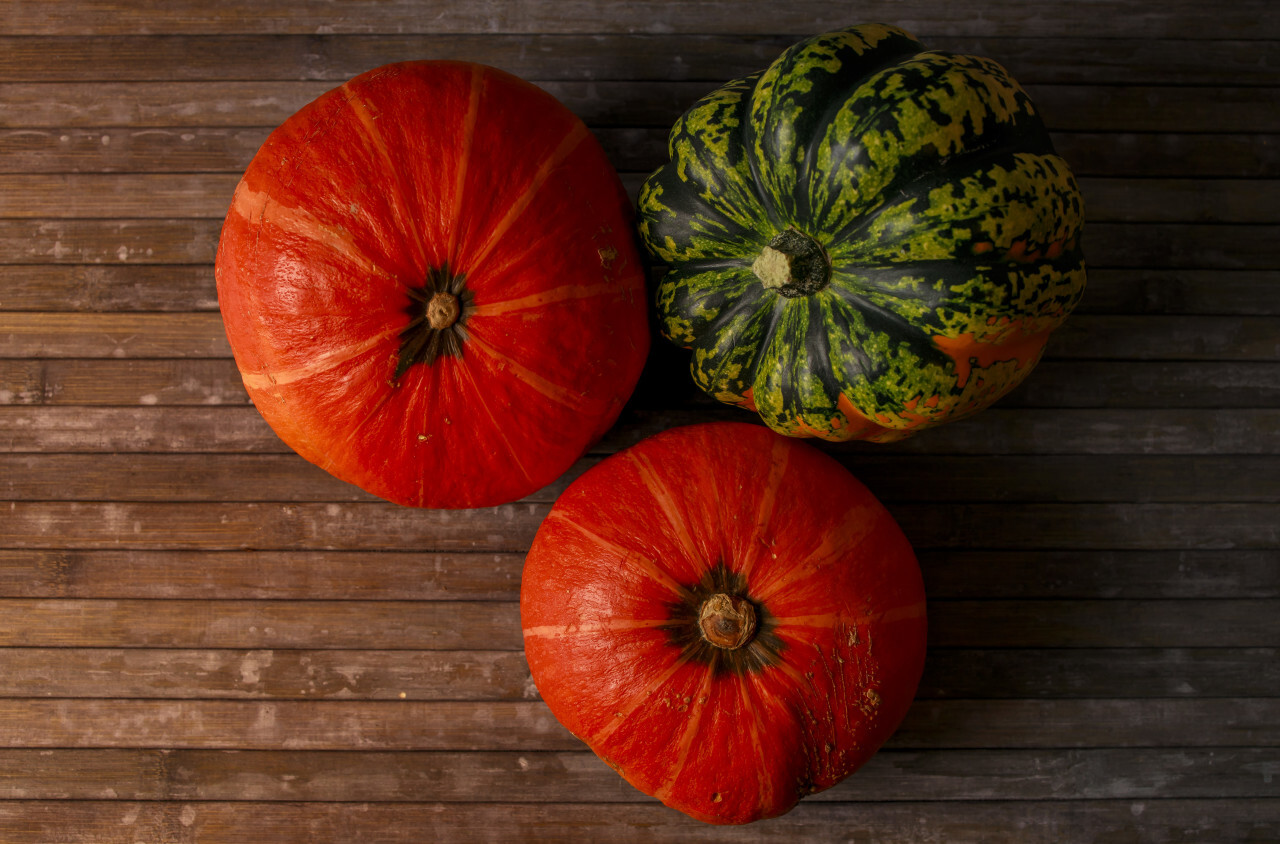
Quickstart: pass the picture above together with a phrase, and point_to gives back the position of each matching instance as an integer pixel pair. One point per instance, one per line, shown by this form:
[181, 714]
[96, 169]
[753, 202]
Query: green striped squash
[865, 239]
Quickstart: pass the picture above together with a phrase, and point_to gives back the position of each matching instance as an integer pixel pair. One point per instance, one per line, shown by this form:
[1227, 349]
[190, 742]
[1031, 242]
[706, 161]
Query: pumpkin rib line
[576, 135]
[479, 397]
[464, 163]
[688, 736]
[366, 122]
[646, 566]
[666, 502]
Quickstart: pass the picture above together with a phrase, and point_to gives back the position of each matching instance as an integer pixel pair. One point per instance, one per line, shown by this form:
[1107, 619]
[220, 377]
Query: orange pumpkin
[430, 283]
[727, 617]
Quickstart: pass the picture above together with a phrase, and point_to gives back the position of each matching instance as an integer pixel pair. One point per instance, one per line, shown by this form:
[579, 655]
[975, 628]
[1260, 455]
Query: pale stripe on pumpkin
[317, 365]
[550, 389]
[641, 564]
[565, 293]
[689, 735]
[258, 207]
[566, 147]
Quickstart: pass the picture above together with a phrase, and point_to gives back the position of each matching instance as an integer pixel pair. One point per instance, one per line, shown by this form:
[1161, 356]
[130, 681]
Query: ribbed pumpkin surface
[726, 616]
[866, 238]
[429, 282]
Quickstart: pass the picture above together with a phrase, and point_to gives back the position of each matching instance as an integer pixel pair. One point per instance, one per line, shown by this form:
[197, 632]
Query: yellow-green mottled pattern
[705, 204]
[782, 106]
[952, 228]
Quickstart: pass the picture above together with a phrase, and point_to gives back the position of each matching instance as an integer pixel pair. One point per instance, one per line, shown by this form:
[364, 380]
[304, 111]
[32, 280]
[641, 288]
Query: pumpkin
[726, 616]
[865, 239]
[430, 281]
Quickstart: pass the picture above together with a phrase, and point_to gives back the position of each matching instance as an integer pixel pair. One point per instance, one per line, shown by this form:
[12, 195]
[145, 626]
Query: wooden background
[204, 638]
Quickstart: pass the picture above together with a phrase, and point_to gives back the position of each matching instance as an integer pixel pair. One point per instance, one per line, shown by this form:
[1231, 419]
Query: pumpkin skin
[866, 239]
[430, 281]
[809, 567]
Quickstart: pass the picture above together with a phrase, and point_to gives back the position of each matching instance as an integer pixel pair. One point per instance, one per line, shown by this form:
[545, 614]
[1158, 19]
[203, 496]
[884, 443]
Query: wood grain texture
[940, 822]
[203, 637]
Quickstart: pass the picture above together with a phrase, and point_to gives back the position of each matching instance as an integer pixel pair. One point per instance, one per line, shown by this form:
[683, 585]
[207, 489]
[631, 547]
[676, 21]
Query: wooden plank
[1059, 673]
[350, 675]
[547, 777]
[1244, 19]
[34, 335]
[354, 525]
[999, 822]
[418, 576]
[635, 151]
[207, 195]
[667, 57]
[1134, 246]
[256, 625]
[267, 575]
[974, 574]
[1177, 291]
[1070, 108]
[482, 625]
[107, 288]
[1056, 383]
[214, 429]
[181, 288]
[528, 726]
[1147, 337]
[1073, 624]
[385, 526]
[26, 334]
[303, 674]
[893, 478]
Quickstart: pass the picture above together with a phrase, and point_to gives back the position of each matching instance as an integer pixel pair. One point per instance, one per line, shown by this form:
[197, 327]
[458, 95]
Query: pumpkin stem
[794, 264]
[442, 310]
[727, 621]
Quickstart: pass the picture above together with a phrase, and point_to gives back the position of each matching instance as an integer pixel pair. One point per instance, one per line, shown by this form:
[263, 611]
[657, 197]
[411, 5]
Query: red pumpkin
[727, 617]
[430, 283]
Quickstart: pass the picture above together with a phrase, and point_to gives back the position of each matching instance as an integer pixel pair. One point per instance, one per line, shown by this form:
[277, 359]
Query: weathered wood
[1093, 673]
[202, 335]
[972, 574]
[633, 150]
[330, 575]
[352, 525]
[476, 625]
[360, 625]
[35, 335]
[268, 575]
[1112, 383]
[1135, 246]
[1244, 19]
[547, 777]
[142, 287]
[950, 673]
[894, 478]
[207, 430]
[669, 57]
[385, 526]
[1179, 291]
[1069, 108]
[106, 288]
[1053, 623]
[529, 726]
[999, 822]
[207, 195]
[222, 674]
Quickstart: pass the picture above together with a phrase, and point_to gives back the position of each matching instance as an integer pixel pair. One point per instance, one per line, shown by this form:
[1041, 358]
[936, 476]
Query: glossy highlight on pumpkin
[430, 284]
[927, 183]
[727, 617]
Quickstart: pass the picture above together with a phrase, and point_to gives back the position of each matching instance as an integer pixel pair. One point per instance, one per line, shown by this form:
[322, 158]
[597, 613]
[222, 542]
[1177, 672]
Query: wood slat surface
[205, 638]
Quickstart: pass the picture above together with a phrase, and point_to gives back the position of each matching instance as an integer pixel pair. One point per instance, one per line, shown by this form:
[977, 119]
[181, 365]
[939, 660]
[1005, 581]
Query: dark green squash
[865, 239]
